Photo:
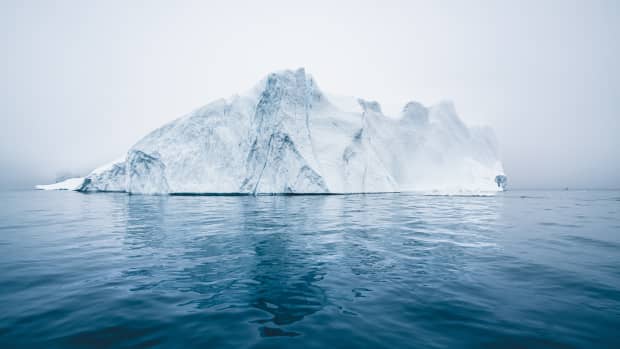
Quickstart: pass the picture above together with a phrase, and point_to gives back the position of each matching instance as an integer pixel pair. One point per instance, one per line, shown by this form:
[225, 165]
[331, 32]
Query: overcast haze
[82, 81]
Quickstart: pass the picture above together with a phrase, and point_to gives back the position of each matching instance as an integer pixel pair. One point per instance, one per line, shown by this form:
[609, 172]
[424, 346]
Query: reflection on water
[523, 269]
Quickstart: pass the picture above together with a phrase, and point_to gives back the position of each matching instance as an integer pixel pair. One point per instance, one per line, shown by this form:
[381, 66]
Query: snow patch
[67, 184]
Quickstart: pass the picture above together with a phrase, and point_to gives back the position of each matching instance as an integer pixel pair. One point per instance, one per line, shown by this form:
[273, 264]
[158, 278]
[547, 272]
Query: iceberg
[285, 136]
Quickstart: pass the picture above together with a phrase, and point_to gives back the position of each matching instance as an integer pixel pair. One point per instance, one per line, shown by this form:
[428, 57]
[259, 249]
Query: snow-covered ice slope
[67, 184]
[287, 136]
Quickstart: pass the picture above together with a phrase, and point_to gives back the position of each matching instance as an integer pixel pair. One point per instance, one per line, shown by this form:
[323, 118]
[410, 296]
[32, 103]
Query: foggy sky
[82, 81]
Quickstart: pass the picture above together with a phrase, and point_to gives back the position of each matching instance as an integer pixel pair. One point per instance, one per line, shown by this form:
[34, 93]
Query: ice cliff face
[286, 136]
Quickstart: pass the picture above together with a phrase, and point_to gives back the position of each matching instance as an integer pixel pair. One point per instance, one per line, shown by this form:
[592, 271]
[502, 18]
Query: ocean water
[523, 269]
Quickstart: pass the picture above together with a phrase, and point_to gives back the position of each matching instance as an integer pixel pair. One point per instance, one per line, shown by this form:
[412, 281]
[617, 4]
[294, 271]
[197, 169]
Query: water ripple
[521, 269]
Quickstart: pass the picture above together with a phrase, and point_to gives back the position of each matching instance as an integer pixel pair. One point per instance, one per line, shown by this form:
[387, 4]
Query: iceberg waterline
[285, 136]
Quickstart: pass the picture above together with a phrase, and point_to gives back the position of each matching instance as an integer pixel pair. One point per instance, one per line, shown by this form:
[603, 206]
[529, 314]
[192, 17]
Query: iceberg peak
[370, 106]
[415, 112]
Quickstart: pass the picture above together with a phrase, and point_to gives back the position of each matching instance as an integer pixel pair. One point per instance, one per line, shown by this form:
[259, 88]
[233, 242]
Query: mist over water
[83, 81]
[532, 269]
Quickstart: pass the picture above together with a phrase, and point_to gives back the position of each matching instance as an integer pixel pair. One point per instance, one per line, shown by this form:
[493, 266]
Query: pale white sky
[81, 81]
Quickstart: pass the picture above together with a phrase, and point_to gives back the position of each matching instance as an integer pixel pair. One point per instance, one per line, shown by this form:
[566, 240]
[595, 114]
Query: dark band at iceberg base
[286, 137]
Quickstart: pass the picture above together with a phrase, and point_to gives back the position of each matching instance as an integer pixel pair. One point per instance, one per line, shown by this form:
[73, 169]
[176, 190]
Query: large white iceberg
[286, 136]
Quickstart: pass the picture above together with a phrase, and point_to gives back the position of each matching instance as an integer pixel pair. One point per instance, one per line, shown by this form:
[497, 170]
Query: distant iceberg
[285, 136]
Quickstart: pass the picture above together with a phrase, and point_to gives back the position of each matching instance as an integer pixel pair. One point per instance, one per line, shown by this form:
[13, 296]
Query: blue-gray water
[537, 269]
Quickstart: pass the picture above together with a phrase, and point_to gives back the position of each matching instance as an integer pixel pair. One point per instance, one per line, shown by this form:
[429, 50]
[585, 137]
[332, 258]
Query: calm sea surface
[524, 269]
